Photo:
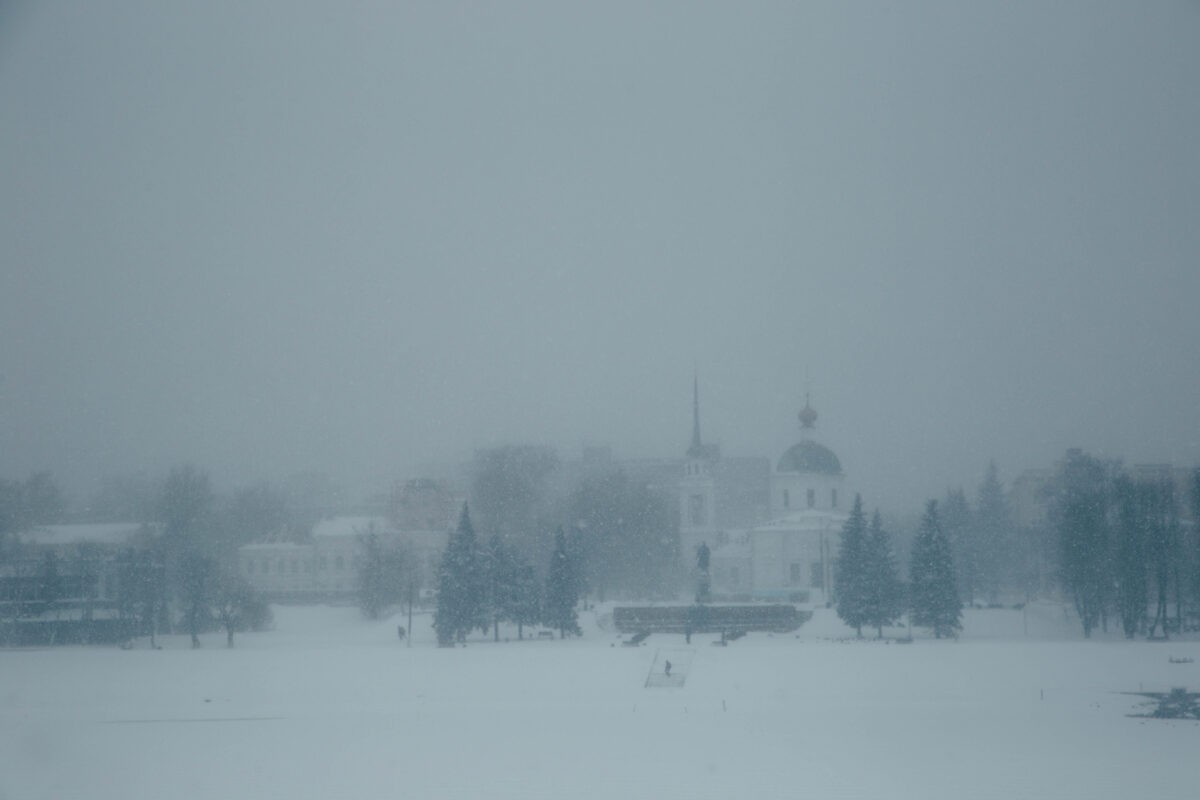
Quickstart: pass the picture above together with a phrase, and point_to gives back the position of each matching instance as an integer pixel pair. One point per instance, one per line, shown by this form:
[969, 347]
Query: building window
[787, 500]
[833, 497]
[796, 573]
[818, 575]
[812, 498]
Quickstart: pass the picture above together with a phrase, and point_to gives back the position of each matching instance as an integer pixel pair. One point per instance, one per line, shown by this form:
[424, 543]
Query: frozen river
[330, 706]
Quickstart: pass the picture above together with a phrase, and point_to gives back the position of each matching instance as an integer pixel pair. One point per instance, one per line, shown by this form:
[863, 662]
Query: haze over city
[638, 400]
[365, 239]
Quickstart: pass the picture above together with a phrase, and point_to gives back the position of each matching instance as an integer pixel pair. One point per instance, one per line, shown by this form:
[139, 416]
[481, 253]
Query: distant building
[325, 569]
[63, 582]
[782, 537]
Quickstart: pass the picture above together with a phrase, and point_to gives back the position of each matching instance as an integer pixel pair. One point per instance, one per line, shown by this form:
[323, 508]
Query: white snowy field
[330, 706]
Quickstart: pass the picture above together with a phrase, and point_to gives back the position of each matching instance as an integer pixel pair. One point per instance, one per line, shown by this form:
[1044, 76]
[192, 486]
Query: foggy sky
[274, 237]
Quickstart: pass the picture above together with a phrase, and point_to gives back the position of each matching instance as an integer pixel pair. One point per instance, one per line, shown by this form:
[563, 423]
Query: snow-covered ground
[330, 706]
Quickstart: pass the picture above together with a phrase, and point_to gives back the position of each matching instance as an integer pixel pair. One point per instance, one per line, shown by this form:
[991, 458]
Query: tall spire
[697, 448]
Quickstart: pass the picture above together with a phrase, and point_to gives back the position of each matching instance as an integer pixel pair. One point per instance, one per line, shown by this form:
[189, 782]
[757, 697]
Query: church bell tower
[697, 494]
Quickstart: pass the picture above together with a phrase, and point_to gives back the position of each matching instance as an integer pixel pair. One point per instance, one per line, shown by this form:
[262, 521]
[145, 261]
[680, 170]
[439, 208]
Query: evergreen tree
[526, 598]
[1079, 509]
[991, 537]
[957, 524]
[853, 565]
[562, 589]
[500, 567]
[934, 597]
[1130, 561]
[461, 590]
[884, 595]
[513, 589]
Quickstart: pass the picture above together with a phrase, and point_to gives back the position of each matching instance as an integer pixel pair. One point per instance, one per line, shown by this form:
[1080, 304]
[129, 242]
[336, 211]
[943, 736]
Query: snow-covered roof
[109, 533]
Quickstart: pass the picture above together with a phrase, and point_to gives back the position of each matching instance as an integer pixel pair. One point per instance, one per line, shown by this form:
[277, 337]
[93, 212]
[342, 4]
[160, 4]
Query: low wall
[779, 618]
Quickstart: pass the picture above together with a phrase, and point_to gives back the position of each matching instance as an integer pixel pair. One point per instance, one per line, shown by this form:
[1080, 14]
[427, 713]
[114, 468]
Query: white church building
[788, 557]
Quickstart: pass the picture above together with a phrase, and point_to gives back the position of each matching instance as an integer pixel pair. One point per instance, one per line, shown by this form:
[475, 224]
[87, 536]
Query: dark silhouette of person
[667, 669]
[702, 556]
[400, 631]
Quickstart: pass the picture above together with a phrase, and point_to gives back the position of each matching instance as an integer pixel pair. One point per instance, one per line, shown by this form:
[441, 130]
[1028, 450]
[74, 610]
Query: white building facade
[326, 568]
[790, 557]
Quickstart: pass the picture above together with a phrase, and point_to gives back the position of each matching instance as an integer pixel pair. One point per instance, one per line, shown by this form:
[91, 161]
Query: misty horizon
[279, 239]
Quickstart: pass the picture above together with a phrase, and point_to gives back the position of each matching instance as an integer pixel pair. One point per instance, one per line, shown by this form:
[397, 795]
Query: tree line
[868, 587]
[626, 531]
[192, 566]
[1123, 547]
[178, 573]
[480, 585]
[1125, 550]
[549, 537]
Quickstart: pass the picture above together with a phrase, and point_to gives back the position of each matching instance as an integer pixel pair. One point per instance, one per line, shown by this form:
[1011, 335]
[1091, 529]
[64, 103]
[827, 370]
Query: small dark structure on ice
[730, 619]
[1178, 703]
